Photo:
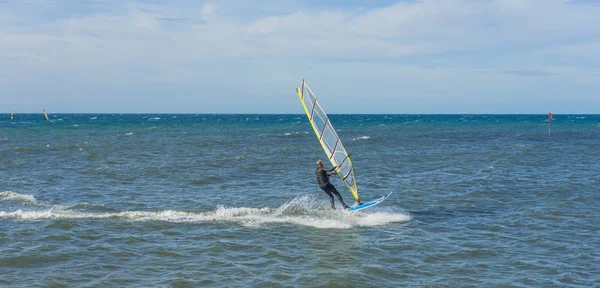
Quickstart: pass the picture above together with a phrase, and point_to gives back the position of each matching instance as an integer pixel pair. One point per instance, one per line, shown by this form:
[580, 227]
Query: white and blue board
[369, 204]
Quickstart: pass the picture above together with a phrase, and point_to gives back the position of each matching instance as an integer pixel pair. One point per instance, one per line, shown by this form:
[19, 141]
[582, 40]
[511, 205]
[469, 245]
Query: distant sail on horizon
[549, 121]
[45, 115]
[12, 115]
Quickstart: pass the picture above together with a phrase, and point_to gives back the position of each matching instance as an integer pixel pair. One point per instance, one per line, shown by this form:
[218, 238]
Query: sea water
[141, 200]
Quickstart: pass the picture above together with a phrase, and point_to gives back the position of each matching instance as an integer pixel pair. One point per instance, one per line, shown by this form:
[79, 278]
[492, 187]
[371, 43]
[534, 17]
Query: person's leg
[330, 196]
[334, 191]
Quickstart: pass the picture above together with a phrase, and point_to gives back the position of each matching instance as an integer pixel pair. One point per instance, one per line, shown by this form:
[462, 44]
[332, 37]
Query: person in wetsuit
[323, 180]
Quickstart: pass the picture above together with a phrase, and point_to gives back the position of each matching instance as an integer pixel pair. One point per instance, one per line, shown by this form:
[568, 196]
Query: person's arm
[332, 169]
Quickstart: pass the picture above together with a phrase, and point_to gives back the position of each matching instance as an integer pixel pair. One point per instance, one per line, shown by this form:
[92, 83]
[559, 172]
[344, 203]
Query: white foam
[302, 211]
[382, 218]
[361, 138]
[295, 133]
[9, 195]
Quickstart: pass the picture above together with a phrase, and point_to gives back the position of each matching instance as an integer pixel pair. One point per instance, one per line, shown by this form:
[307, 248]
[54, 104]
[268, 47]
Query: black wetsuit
[323, 179]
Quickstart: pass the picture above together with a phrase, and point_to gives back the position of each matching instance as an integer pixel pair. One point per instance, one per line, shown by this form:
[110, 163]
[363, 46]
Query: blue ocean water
[117, 200]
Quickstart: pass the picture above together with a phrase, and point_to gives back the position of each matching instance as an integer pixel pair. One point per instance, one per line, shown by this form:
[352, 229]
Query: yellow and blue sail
[330, 141]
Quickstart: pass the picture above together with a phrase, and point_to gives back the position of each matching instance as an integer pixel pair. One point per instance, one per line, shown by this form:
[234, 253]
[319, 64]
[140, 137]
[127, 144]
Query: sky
[371, 56]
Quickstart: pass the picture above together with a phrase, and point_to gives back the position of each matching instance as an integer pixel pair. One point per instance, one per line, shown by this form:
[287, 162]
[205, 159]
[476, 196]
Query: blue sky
[444, 56]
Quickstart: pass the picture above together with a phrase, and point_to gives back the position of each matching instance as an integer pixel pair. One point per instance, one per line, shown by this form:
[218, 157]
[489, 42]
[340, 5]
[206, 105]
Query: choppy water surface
[231, 200]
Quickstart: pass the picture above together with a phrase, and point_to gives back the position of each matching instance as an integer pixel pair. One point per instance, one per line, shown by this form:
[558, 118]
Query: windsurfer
[323, 180]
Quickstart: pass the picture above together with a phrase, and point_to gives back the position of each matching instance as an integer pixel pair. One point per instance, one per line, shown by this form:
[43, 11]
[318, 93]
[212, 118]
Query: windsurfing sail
[45, 115]
[329, 139]
[12, 115]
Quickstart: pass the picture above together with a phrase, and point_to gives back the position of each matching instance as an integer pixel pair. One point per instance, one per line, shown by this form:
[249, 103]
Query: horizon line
[256, 113]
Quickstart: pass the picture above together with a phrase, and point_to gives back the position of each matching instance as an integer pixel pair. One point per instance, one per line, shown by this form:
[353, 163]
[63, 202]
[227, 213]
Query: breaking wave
[303, 211]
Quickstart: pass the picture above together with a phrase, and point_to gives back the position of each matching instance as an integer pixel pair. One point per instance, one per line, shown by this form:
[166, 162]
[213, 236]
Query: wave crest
[25, 198]
[361, 138]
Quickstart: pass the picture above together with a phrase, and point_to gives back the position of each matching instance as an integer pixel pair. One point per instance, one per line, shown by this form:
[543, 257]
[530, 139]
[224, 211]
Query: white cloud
[133, 47]
[407, 28]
